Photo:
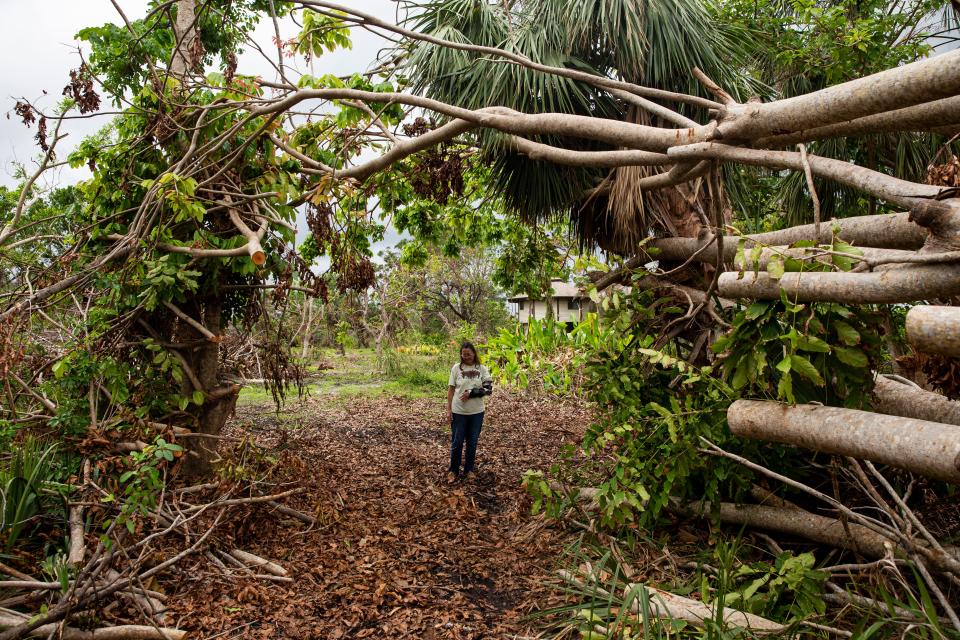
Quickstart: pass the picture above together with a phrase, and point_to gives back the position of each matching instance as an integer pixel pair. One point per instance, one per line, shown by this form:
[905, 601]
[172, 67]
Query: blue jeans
[466, 429]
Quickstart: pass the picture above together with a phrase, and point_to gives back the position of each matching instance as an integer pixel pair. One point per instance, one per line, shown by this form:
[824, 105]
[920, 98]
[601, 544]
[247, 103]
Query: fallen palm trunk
[899, 399]
[668, 606]
[931, 449]
[905, 284]
[126, 632]
[665, 605]
[935, 329]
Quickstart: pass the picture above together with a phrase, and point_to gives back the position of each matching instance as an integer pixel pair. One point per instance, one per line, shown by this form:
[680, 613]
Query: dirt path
[396, 552]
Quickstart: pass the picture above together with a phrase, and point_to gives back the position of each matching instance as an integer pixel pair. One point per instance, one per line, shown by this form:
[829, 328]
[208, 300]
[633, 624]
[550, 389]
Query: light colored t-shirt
[464, 378]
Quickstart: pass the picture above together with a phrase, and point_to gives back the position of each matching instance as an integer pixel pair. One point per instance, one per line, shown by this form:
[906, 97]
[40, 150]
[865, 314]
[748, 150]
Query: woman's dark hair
[469, 345]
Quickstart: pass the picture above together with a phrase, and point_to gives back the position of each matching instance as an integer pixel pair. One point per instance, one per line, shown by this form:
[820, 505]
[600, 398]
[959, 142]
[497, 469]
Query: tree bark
[806, 525]
[916, 83]
[927, 448]
[903, 284]
[305, 345]
[898, 399]
[219, 401]
[885, 231]
[185, 33]
[935, 329]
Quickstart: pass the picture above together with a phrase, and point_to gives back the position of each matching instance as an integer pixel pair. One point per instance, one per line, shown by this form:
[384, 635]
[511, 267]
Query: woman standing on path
[469, 383]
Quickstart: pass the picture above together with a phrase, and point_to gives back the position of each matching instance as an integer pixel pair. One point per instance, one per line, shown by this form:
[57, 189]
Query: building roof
[560, 290]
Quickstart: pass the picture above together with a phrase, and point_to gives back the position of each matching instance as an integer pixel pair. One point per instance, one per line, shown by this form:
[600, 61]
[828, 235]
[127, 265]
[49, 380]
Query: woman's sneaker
[451, 477]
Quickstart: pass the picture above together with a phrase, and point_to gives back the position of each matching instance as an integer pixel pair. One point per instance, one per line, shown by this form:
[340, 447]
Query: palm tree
[652, 42]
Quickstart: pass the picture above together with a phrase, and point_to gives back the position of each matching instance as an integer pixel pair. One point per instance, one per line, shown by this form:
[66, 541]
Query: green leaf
[848, 335]
[756, 310]
[785, 388]
[812, 343]
[805, 368]
[775, 268]
[852, 357]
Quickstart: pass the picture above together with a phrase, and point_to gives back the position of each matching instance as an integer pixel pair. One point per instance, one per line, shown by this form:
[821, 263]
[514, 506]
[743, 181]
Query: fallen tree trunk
[935, 329]
[905, 284]
[669, 606]
[911, 84]
[806, 525]
[930, 449]
[928, 116]
[679, 249]
[885, 231]
[898, 399]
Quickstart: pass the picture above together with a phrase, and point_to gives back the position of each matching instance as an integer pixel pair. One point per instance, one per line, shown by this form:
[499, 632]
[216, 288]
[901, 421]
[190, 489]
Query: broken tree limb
[922, 117]
[905, 284]
[803, 524]
[894, 190]
[916, 83]
[899, 399]
[76, 553]
[235, 501]
[934, 329]
[10, 571]
[125, 632]
[256, 561]
[927, 448]
[293, 513]
[253, 247]
[206, 333]
[884, 231]
[148, 605]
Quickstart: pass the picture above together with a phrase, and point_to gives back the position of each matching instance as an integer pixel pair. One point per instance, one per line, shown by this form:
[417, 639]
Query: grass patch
[359, 373]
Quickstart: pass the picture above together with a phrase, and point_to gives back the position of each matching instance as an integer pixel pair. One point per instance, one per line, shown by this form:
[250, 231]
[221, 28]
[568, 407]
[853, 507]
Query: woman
[469, 383]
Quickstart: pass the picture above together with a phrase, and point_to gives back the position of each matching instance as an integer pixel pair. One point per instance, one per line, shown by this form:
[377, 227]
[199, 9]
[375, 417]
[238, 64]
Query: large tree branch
[899, 399]
[912, 84]
[922, 117]
[571, 157]
[906, 284]
[613, 132]
[928, 448]
[935, 329]
[893, 190]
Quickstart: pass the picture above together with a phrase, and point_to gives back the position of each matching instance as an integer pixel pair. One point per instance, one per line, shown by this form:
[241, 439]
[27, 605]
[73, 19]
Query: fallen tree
[935, 329]
[910, 401]
[927, 448]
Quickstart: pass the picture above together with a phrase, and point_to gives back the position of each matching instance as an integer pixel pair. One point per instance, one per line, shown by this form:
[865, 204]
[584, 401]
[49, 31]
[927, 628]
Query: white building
[567, 302]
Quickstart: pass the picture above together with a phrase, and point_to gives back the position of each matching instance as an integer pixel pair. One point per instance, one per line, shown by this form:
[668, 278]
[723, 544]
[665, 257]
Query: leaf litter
[395, 551]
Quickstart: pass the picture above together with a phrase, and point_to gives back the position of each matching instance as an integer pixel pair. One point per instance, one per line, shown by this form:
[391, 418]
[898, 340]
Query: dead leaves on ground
[395, 552]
